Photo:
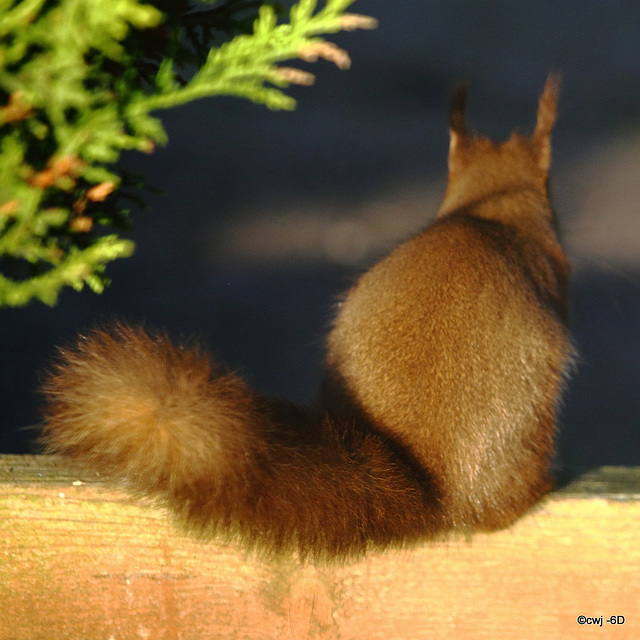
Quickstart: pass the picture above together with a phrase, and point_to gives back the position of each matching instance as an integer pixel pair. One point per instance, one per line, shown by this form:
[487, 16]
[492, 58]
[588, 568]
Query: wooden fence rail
[80, 560]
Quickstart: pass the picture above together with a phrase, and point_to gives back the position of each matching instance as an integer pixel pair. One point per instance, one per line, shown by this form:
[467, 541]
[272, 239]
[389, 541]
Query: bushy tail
[171, 425]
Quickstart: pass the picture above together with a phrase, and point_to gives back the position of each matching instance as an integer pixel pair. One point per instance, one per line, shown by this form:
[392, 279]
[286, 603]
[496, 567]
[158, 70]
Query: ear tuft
[457, 127]
[457, 109]
[546, 118]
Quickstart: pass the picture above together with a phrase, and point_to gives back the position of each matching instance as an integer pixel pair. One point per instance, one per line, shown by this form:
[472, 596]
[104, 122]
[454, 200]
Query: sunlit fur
[444, 368]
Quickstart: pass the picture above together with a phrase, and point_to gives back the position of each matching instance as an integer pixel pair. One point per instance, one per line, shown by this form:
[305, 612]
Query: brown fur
[437, 412]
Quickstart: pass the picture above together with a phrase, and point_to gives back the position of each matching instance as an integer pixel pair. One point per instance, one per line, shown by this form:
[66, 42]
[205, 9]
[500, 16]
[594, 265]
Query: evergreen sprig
[79, 80]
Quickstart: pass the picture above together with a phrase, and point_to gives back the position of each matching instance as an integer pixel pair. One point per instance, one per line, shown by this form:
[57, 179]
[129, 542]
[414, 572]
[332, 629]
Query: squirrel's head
[479, 167]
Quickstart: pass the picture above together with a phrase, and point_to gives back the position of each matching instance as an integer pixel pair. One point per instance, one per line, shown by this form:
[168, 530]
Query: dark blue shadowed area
[266, 217]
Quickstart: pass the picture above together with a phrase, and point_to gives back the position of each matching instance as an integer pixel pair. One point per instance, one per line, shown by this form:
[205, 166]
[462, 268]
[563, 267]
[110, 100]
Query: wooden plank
[80, 560]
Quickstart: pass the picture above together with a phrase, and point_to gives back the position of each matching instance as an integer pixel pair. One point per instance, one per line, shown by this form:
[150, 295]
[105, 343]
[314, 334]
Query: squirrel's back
[437, 411]
[457, 342]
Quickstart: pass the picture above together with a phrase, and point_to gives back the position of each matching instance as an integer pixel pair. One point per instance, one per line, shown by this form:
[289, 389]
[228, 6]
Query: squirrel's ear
[541, 138]
[457, 127]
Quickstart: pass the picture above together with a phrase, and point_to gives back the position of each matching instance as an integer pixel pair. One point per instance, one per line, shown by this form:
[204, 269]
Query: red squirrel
[444, 369]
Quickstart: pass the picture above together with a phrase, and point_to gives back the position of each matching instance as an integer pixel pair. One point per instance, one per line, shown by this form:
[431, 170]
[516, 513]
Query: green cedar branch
[79, 80]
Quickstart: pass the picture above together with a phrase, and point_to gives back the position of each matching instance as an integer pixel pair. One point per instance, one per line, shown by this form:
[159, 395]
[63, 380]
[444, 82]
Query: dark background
[267, 216]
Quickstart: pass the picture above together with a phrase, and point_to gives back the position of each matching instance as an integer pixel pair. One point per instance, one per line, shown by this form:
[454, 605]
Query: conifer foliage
[79, 80]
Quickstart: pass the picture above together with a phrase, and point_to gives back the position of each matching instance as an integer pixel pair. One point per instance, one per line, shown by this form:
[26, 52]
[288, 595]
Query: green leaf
[302, 11]
[266, 21]
[165, 78]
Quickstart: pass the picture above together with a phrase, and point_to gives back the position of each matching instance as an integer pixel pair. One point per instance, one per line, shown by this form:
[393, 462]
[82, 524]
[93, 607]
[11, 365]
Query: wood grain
[80, 560]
